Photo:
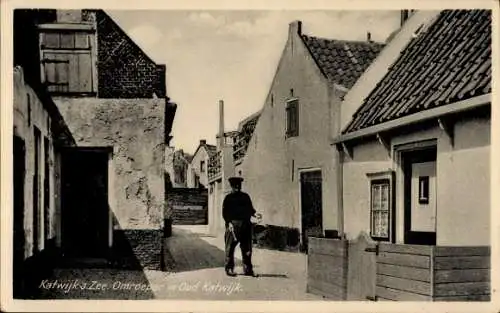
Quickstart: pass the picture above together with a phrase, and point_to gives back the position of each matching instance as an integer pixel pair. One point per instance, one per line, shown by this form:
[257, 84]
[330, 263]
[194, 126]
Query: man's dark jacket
[237, 206]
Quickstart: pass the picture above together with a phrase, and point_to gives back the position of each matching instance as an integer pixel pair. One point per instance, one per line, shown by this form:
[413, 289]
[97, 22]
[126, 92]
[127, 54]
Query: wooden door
[420, 197]
[311, 205]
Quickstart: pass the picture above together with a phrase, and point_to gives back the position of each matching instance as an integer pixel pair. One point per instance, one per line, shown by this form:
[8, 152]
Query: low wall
[327, 268]
[277, 238]
[189, 206]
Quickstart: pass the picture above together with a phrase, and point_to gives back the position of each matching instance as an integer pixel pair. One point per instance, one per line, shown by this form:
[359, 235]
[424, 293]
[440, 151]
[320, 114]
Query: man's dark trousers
[243, 233]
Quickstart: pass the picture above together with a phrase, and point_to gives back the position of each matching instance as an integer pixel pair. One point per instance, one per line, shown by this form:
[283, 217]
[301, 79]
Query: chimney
[220, 135]
[69, 16]
[368, 37]
[203, 142]
[295, 27]
[405, 14]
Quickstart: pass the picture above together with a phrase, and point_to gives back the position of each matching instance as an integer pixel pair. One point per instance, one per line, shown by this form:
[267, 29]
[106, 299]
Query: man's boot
[230, 272]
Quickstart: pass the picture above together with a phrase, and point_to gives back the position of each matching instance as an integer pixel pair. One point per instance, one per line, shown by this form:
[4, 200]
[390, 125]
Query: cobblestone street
[195, 271]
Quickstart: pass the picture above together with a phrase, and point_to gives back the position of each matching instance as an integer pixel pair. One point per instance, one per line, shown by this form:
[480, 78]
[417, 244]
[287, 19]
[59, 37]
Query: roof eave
[452, 108]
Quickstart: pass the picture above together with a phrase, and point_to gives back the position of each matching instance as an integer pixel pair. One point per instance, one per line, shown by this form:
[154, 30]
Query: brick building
[104, 95]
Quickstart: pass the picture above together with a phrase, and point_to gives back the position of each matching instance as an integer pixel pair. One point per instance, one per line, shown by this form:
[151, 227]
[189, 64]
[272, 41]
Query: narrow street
[195, 271]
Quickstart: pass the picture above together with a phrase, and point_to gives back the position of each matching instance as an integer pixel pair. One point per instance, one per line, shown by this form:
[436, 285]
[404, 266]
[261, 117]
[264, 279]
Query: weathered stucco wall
[135, 130]
[29, 112]
[370, 157]
[463, 183]
[272, 162]
[464, 213]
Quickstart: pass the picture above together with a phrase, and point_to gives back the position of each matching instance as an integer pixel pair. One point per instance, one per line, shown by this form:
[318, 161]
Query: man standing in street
[237, 210]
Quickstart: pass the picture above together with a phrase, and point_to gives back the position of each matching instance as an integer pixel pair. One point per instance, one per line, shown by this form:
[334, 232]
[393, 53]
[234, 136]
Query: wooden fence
[461, 274]
[404, 272]
[364, 270]
[327, 268]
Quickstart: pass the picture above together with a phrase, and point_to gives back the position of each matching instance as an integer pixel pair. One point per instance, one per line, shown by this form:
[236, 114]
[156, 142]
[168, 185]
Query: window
[67, 62]
[202, 166]
[381, 206]
[292, 118]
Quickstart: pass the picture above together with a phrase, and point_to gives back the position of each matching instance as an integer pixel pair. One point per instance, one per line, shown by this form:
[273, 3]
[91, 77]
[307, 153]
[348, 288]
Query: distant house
[197, 174]
[416, 161]
[94, 119]
[287, 163]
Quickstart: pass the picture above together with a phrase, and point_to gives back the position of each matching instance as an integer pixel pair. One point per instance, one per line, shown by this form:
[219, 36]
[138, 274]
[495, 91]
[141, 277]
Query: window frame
[292, 108]
[385, 178]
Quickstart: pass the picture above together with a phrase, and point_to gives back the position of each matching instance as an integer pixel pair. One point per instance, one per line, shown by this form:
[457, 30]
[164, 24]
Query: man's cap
[235, 179]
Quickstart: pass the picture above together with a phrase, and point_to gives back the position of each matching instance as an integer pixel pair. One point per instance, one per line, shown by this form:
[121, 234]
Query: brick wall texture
[124, 70]
[184, 204]
[138, 248]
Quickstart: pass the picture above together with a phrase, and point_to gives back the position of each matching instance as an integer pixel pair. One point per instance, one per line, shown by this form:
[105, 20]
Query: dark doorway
[85, 211]
[19, 169]
[36, 191]
[311, 204]
[420, 196]
[46, 192]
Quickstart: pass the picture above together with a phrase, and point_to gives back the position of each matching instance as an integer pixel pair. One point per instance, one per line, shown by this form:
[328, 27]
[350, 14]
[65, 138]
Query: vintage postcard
[201, 155]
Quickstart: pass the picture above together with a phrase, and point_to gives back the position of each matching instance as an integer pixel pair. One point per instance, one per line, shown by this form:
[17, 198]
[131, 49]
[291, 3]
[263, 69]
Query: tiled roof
[449, 62]
[246, 130]
[342, 62]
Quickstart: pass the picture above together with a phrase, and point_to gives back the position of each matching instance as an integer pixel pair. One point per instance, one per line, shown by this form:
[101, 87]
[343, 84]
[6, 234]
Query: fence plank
[326, 289]
[462, 289]
[326, 268]
[464, 298]
[462, 275]
[419, 274]
[327, 246]
[405, 249]
[463, 262]
[408, 285]
[399, 295]
[418, 261]
[462, 251]
[361, 276]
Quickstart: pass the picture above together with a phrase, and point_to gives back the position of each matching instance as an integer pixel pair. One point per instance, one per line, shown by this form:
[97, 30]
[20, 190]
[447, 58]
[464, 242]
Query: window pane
[50, 40]
[67, 41]
[384, 203]
[375, 197]
[81, 41]
[380, 224]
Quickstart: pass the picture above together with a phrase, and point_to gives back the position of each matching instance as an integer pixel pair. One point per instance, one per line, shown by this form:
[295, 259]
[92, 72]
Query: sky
[231, 56]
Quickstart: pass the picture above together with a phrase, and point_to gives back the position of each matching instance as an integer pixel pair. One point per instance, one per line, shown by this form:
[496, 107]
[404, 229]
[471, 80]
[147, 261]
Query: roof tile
[450, 61]
[342, 62]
